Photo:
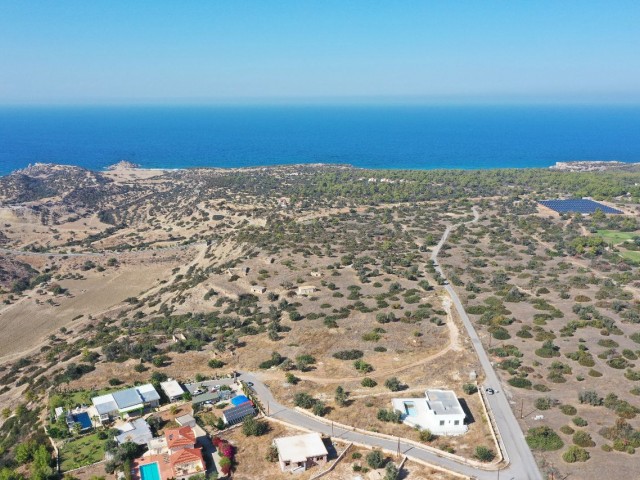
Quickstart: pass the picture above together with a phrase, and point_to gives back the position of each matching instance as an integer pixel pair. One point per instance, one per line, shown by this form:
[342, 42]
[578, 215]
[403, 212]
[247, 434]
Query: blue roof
[127, 398]
[578, 205]
[233, 414]
[240, 399]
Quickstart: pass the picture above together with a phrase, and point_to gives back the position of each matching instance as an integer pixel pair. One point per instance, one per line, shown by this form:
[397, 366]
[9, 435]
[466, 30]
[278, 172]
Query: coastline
[138, 170]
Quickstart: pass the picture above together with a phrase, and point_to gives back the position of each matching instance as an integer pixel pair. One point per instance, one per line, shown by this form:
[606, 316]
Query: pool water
[83, 419]
[150, 471]
[239, 400]
[410, 408]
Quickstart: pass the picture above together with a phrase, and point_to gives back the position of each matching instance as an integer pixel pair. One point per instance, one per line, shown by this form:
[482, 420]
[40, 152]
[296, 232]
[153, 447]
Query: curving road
[522, 464]
[293, 417]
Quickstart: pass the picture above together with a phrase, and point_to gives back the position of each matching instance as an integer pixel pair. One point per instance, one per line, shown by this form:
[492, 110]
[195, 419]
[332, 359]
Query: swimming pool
[150, 471]
[410, 409]
[83, 419]
[239, 400]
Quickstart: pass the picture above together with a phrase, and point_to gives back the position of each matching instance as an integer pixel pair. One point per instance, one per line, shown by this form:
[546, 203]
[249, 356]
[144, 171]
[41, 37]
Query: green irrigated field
[634, 256]
[616, 237]
[82, 451]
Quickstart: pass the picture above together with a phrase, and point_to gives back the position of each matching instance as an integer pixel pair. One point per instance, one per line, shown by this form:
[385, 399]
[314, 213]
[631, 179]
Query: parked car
[490, 390]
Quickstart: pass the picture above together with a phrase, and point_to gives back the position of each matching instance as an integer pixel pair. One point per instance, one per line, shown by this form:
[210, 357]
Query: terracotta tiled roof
[186, 455]
[180, 437]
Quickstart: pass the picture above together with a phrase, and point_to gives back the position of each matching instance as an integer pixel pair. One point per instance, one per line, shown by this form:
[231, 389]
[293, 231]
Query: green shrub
[500, 333]
[484, 454]
[252, 427]
[393, 384]
[375, 459]
[583, 439]
[470, 388]
[539, 387]
[548, 350]
[390, 415]
[215, 363]
[363, 366]
[543, 403]
[568, 409]
[618, 363]
[590, 397]
[426, 435]
[519, 382]
[303, 400]
[348, 354]
[543, 438]
[567, 430]
[575, 454]
[368, 382]
[580, 422]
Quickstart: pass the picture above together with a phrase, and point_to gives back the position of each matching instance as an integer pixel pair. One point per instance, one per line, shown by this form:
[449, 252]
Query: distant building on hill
[306, 290]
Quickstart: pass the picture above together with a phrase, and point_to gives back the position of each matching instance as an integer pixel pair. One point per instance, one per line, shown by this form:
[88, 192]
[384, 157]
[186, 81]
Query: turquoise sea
[423, 137]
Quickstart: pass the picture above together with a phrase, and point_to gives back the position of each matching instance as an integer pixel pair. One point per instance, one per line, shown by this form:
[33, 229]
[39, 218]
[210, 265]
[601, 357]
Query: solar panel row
[578, 205]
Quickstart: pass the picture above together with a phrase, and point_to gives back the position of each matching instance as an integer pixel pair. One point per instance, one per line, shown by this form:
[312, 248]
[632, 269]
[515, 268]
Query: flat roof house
[123, 402]
[300, 452]
[258, 289]
[137, 432]
[186, 420]
[172, 389]
[440, 412]
[306, 290]
[205, 398]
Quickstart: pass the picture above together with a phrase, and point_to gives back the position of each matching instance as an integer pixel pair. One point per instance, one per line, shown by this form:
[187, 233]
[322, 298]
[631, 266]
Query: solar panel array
[578, 205]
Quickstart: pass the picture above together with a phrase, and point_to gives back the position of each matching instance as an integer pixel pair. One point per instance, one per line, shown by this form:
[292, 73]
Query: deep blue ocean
[363, 136]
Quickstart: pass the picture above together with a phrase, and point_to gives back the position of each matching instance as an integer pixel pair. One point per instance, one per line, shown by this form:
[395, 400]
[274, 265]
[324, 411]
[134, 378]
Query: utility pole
[398, 451]
[267, 408]
[332, 428]
[521, 406]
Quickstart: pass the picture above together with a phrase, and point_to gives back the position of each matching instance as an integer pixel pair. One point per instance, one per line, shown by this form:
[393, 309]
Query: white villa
[440, 412]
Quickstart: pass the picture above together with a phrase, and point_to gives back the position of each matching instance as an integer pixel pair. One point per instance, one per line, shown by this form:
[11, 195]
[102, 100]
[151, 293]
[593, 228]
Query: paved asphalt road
[522, 464]
[291, 416]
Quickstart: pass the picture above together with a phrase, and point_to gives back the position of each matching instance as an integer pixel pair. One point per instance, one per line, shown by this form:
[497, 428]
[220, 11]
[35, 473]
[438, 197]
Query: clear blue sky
[95, 51]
